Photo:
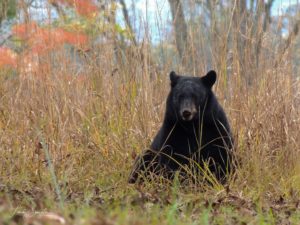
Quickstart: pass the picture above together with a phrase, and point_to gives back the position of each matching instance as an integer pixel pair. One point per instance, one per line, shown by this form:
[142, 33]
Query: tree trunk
[180, 26]
[239, 31]
[127, 21]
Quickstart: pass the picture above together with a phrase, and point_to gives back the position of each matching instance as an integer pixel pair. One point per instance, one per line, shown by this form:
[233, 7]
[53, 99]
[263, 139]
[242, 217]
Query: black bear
[195, 130]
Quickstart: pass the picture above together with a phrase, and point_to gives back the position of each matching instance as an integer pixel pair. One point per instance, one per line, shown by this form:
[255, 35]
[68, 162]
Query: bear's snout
[186, 115]
[188, 111]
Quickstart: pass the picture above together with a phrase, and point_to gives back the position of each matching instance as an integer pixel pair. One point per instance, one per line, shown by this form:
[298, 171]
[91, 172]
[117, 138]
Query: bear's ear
[173, 78]
[209, 79]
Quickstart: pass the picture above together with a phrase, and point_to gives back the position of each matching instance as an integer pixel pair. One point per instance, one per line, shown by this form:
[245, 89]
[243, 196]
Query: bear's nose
[186, 114]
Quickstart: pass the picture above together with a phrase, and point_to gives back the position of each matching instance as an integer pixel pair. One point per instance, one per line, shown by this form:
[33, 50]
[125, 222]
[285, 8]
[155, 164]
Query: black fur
[195, 129]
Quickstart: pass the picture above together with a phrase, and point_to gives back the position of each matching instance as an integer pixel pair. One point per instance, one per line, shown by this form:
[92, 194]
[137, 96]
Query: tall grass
[94, 124]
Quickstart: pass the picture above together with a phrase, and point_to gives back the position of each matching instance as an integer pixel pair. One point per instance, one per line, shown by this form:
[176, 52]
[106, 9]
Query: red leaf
[7, 57]
[83, 7]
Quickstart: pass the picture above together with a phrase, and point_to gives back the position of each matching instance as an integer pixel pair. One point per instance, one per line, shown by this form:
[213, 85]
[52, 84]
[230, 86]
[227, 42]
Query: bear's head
[190, 94]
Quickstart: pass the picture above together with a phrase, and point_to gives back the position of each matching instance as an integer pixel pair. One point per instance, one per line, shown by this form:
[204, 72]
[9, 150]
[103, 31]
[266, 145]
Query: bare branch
[127, 20]
[59, 10]
[180, 26]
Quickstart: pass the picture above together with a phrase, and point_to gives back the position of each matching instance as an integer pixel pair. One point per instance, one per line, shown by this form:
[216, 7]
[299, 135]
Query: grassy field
[67, 146]
[68, 139]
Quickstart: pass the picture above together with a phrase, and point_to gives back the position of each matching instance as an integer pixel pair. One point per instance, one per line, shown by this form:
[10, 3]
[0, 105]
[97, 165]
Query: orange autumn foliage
[7, 57]
[25, 31]
[41, 40]
[75, 39]
[38, 42]
[85, 8]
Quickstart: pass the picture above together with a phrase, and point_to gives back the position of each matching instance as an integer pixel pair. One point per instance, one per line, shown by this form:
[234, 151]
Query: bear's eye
[194, 97]
[179, 97]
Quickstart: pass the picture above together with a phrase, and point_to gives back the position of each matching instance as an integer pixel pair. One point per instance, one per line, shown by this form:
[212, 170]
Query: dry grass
[68, 141]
